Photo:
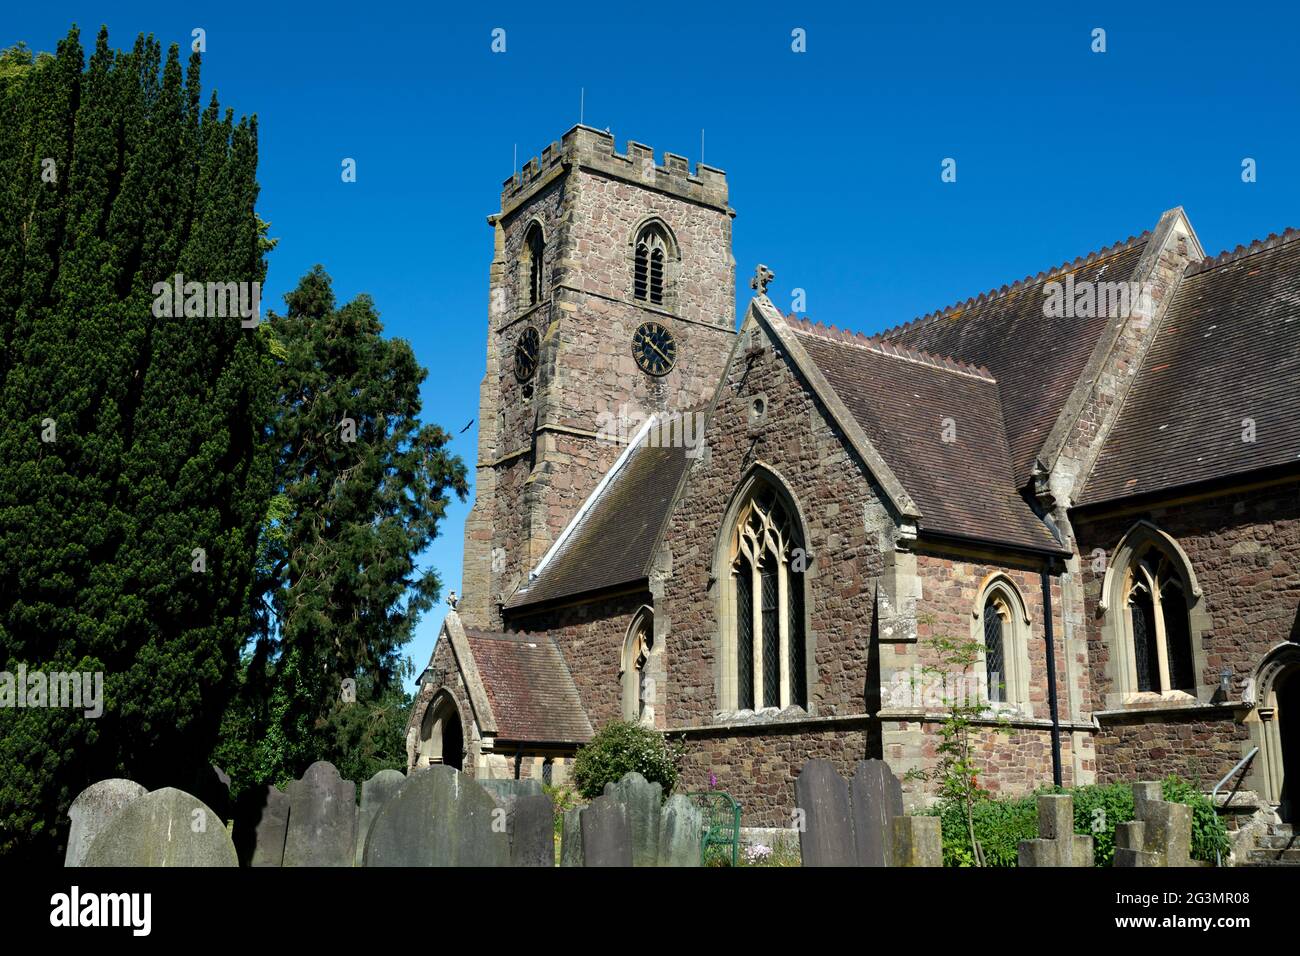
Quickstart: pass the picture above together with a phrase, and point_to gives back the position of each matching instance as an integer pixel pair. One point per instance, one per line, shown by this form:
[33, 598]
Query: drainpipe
[1051, 675]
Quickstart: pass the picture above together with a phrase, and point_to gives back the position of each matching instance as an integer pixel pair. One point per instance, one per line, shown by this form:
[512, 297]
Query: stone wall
[1244, 548]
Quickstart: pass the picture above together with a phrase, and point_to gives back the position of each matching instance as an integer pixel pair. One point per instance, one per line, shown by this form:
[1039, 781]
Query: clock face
[654, 348]
[526, 350]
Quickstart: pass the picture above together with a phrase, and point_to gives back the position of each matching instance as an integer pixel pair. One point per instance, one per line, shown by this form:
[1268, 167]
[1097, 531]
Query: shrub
[621, 747]
[1000, 825]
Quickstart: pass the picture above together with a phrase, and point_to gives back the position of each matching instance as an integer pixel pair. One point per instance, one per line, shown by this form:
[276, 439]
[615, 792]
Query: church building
[748, 534]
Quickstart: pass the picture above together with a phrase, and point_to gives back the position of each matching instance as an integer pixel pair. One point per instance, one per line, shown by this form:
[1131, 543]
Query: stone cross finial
[762, 276]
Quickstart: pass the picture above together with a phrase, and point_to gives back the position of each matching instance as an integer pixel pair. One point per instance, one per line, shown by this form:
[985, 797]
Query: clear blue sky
[833, 155]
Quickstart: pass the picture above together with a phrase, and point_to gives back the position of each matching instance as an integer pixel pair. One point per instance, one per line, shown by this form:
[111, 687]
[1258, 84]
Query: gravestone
[166, 827]
[606, 833]
[918, 841]
[826, 835]
[571, 838]
[439, 817]
[261, 826]
[1057, 843]
[642, 800]
[322, 819]
[877, 798]
[375, 792]
[506, 791]
[681, 832]
[531, 826]
[92, 810]
[1163, 836]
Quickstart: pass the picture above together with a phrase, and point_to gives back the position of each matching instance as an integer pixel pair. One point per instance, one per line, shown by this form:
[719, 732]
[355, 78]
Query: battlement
[588, 148]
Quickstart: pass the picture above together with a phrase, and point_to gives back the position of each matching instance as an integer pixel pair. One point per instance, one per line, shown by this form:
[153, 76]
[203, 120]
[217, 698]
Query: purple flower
[713, 781]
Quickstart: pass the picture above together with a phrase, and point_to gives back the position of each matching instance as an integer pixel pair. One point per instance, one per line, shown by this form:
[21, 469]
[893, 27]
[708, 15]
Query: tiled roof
[1228, 349]
[1036, 360]
[901, 398]
[612, 540]
[529, 686]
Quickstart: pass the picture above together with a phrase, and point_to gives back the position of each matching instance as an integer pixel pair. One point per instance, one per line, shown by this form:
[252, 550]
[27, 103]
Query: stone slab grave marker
[91, 811]
[681, 832]
[166, 827]
[375, 792]
[261, 826]
[571, 838]
[826, 836]
[1057, 843]
[642, 800]
[531, 827]
[918, 841]
[322, 819]
[877, 799]
[439, 817]
[1160, 836]
[606, 833]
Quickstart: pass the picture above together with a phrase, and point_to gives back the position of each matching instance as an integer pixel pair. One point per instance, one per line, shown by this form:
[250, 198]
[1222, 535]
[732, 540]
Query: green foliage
[113, 178]
[361, 486]
[957, 772]
[1000, 825]
[621, 747]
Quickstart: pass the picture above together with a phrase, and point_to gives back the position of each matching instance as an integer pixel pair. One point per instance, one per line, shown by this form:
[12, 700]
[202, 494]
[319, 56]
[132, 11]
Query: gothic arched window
[1001, 626]
[1154, 617]
[638, 678]
[534, 259]
[1159, 630]
[764, 620]
[650, 264]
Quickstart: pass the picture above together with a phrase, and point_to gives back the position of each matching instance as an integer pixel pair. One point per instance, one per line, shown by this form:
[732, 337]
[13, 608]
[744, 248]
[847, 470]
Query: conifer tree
[136, 472]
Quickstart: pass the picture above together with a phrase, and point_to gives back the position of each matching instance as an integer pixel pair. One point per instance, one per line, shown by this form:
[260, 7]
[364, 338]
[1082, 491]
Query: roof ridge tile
[1272, 241]
[881, 346]
[1105, 252]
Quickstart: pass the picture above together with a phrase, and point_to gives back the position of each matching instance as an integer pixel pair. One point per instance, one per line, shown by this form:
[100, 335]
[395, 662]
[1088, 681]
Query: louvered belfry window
[536, 258]
[648, 277]
[994, 651]
[1158, 621]
[767, 628]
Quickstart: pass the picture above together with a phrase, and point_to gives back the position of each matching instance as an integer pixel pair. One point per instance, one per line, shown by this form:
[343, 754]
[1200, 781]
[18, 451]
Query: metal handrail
[1214, 794]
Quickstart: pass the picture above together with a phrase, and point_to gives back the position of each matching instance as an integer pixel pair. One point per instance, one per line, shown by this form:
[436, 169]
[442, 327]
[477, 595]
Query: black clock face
[654, 348]
[526, 350]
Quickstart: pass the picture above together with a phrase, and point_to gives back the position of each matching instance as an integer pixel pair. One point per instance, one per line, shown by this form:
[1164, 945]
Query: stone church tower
[611, 298]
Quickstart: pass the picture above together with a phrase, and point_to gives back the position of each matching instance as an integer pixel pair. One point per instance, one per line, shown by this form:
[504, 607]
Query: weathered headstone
[571, 838]
[918, 841]
[1057, 843]
[166, 827]
[507, 790]
[681, 832]
[1163, 836]
[322, 819]
[642, 800]
[375, 792]
[92, 810]
[826, 835]
[261, 826]
[877, 798]
[606, 833]
[439, 817]
[531, 824]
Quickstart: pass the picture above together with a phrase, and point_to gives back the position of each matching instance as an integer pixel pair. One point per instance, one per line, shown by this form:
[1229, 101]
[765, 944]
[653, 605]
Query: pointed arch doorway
[442, 739]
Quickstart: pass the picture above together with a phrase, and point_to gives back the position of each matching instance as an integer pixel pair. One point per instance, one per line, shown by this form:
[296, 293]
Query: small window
[994, 658]
[535, 256]
[547, 766]
[1158, 624]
